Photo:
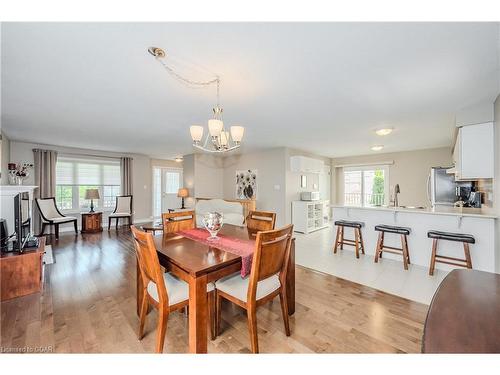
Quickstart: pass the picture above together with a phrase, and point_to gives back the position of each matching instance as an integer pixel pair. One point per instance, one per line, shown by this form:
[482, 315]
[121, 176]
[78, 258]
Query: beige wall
[410, 170]
[271, 167]
[4, 180]
[496, 181]
[142, 179]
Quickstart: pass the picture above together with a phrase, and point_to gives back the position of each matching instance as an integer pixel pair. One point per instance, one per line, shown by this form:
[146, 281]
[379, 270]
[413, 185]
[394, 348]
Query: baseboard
[70, 228]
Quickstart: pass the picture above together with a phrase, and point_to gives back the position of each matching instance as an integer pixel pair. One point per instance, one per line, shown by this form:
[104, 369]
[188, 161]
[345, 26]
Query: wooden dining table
[198, 264]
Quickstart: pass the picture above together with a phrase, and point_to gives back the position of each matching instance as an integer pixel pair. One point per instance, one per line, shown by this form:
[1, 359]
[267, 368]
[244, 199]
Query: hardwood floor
[88, 305]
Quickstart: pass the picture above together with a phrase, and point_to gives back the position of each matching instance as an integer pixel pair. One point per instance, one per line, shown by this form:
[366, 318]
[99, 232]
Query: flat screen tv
[22, 220]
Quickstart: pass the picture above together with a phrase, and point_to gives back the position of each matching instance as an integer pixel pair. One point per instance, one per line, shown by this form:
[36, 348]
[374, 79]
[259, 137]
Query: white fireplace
[7, 194]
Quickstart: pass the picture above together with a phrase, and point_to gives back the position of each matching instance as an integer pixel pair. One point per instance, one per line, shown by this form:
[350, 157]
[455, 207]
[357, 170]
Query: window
[366, 186]
[75, 175]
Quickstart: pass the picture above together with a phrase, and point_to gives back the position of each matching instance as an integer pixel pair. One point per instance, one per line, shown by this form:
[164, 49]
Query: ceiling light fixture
[384, 131]
[377, 147]
[178, 159]
[217, 140]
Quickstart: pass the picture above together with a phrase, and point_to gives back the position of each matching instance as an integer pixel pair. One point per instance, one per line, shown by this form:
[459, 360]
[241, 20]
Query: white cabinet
[304, 164]
[473, 154]
[308, 216]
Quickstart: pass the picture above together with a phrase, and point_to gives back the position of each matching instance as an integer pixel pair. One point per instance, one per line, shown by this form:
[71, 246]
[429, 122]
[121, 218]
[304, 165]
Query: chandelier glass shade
[217, 139]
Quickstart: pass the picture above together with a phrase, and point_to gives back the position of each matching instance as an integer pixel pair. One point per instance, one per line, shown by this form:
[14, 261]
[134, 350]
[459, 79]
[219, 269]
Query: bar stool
[358, 237]
[466, 239]
[403, 250]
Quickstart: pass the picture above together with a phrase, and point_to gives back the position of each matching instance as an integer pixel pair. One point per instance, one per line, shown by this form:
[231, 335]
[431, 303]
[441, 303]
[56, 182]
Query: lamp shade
[92, 194]
[183, 193]
[196, 132]
[237, 133]
[215, 127]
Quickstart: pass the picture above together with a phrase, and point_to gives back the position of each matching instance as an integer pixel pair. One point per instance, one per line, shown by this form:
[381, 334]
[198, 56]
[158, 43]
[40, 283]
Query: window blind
[87, 171]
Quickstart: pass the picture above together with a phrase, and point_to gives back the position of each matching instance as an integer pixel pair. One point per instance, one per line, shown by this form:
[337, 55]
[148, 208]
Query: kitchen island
[472, 221]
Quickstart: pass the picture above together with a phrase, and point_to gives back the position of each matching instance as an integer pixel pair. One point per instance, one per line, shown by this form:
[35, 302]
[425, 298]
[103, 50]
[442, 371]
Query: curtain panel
[45, 179]
[126, 172]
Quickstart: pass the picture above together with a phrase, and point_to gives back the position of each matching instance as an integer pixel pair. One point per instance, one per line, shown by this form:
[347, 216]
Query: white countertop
[441, 210]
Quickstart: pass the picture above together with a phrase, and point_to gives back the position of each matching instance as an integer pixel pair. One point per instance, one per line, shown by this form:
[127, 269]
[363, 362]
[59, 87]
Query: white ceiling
[320, 87]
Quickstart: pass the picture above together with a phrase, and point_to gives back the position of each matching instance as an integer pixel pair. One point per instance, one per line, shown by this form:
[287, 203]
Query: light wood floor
[88, 305]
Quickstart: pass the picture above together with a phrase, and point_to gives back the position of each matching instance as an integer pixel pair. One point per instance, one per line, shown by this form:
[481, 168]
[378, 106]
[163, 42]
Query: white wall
[410, 170]
[496, 181]
[142, 179]
[208, 178]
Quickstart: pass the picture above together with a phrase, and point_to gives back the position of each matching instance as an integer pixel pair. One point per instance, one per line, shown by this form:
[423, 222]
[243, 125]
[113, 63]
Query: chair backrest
[48, 208]
[271, 256]
[258, 221]
[176, 221]
[123, 204]
[149, 265]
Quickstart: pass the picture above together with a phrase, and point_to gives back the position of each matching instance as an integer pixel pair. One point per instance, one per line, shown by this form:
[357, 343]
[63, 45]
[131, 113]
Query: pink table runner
[236, 246]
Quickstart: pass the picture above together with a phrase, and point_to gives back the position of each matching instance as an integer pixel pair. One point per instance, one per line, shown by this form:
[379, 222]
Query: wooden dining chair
[258, 221]
[177, 221]
[266, 281]
[163, 291]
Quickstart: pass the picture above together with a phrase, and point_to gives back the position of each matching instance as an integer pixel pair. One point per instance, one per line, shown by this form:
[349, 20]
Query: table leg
[290, 280]
[198, 311]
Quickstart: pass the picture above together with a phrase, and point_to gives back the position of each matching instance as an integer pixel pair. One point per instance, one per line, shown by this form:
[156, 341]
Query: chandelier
[217, 139]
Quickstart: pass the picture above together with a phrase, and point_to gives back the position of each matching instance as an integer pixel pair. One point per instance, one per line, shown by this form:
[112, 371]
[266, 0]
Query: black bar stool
[358, 237]
[466, 239]
[403, 250]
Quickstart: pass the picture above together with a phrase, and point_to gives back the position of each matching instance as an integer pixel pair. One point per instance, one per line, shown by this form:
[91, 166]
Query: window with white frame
[366, 186]
[74, 175]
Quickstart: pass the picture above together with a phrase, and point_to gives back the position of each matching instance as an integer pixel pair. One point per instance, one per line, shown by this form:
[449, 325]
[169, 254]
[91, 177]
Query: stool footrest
[450, 258]
[452, 263]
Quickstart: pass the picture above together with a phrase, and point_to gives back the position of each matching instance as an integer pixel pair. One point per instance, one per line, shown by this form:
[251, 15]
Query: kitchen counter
[441, 210]
[471, 221]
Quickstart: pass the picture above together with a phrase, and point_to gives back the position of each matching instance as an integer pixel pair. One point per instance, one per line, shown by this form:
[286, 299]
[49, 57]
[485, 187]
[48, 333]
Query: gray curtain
[126, 170]
[45, 179]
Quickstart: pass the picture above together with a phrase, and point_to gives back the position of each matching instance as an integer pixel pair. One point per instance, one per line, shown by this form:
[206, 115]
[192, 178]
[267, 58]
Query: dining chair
[176, 221]
[50, 215]
[123, 209]
[163, 291]
[266, 281]
[260, 221]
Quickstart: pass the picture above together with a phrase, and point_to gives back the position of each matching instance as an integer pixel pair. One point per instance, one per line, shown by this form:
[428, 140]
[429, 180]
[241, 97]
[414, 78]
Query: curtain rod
[93, 155]
[390, 162]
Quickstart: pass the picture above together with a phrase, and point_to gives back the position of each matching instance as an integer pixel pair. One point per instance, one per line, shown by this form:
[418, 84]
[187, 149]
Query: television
[22, 220]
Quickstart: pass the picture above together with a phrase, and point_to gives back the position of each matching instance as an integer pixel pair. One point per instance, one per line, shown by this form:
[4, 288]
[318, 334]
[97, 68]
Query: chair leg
[162, 328]
[218, 313]
[284, 311]
[109, 223]
[467, 255]
[116, 224]
[377, 249]
[405, 252]
[143, 313]
[211, 314]
[76, 226]
[433, 256]
[407, 249]
[336, 241]
[341, 238]
[356, 242]
[57, 230]
[43, 229]
[382, 245]
[361, 241]
[252, 328]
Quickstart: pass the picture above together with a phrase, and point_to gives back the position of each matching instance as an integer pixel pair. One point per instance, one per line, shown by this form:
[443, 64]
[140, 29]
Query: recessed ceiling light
[377, 148]
[178, 159]
[384, 131]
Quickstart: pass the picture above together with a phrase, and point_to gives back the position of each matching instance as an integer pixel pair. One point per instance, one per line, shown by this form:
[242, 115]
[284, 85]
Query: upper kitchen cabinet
[304, 164]
[473, 154]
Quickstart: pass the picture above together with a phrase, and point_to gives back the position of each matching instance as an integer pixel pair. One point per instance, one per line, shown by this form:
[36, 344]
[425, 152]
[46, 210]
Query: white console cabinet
[309, 216]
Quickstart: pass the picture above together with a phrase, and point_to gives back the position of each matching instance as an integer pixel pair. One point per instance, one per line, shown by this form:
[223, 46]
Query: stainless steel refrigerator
[441, 187]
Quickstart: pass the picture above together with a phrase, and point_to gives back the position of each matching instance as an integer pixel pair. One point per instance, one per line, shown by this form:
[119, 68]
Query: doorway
[166, 184]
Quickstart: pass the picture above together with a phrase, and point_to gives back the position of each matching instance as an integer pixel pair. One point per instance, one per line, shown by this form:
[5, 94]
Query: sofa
[232, 211]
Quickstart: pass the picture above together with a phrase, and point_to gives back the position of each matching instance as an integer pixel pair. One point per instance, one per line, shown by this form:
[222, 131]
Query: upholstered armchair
[50, 215]
[122, 210]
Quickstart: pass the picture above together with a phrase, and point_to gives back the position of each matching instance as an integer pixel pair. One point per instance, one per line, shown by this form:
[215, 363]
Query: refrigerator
[441, 187]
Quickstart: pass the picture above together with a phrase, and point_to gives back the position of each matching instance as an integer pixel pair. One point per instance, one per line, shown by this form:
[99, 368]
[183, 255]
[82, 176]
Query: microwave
[309, 196]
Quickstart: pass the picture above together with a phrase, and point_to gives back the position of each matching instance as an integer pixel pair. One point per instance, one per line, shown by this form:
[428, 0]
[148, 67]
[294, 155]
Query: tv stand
[22, 273]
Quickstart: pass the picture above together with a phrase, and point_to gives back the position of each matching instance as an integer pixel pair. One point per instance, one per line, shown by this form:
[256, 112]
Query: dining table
[199, 263]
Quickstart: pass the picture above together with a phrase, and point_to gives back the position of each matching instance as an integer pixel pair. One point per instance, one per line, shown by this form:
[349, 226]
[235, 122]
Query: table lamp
[92, 194]
[183, 193]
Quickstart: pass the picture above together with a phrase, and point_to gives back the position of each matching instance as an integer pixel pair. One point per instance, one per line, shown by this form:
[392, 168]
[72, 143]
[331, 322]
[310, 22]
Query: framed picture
[246, 184]
[303, 181]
